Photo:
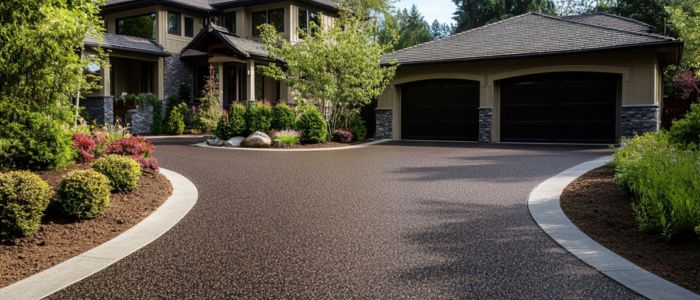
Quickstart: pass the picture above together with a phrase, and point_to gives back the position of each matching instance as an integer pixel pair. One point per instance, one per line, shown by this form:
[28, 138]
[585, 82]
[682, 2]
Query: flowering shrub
[342, 135]
[85, 146]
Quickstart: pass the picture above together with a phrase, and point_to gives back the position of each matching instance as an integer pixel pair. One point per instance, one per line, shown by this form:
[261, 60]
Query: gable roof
[526, 35]
[240, 46]
[612, 21]
[127, 43]
[204, 5]
[328, 4]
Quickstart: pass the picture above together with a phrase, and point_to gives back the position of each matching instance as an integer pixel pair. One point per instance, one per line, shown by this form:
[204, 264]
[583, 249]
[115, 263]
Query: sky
[441, 10]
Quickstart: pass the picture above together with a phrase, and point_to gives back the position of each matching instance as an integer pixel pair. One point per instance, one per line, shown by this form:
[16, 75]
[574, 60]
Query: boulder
[258, 140]
[234, 142]
[215, 141]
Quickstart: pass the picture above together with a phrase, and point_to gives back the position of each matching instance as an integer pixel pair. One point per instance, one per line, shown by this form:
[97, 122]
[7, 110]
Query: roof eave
[154, 53]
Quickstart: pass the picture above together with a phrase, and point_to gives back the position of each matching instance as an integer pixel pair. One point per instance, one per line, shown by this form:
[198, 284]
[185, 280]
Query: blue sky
[441, 10]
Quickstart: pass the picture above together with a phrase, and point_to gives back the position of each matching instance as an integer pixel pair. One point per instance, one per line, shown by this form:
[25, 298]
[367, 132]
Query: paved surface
[400, 220]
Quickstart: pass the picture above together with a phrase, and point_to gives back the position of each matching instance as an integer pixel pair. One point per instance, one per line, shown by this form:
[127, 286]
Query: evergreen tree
[440, 30]
[476, 13]
[413, 29]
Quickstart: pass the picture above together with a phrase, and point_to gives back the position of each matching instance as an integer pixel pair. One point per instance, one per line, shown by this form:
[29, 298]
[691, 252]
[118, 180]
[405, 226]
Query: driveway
[397, 220]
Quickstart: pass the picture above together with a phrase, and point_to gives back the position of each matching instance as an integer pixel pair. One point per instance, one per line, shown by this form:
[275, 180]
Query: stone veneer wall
[384, 128]
[175, 73]
[639, 120]
[485, 124]
[140, 120]
[99, 109]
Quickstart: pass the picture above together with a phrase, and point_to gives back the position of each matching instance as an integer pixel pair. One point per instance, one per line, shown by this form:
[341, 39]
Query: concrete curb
[204, 145]
[60, 276]
[163, 137]
[545, 209]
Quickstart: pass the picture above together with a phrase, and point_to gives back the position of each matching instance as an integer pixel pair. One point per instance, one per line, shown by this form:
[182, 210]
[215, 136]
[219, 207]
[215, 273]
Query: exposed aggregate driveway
[397, 220]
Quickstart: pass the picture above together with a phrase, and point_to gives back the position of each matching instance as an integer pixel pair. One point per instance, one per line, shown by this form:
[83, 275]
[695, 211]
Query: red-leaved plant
[138, 148]
[85, 146]
[686, 84]
[342, 135]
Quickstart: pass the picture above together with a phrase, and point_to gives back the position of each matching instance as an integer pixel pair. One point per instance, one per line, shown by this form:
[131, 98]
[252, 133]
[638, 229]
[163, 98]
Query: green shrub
[356, 124]
[23, 199]
[687, 130]
[83, 194]
[259, 117]
[33, 140]
[311, 123]
[282, 117]
[123, 172]
[665, 180]
[176, 119]
[232, 125]
[286, 137]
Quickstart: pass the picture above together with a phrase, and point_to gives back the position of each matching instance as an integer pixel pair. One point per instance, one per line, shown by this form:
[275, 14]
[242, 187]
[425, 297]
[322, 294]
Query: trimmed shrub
[342, 135]
[237, 120]
[311, 123]
[123, 172]
[259, 117]
[222, 130]
[85, 146]
[286, 137]
[131, 146]
[23, 199]
[282, 117]
[176, 119]
[687, 130]
[83, 194]
[148, 164]
[356, 124]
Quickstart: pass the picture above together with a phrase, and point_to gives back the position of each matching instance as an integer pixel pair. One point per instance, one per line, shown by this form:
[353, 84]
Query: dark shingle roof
[247, 47]
[227, 3]
[127, 43]
[244, 47]
[525, 35]
[611, 21]
[202, 5]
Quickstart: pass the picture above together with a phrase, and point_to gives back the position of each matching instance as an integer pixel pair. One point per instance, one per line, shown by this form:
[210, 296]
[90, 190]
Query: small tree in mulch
[209, 111]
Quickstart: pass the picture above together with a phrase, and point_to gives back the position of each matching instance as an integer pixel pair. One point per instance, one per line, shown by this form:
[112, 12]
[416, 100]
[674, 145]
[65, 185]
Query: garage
[569, 107]
[441, 109]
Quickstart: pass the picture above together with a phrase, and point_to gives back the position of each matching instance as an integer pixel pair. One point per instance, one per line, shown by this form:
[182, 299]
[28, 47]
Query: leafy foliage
[684, 15]
[131, 146]
[687, 130]
[176, 119]
[83, 194]
[475, 13]
[23, 199]
[356, 125]
[282, 117]
[209, 111]
[258, 117]
[123, 172]
[286, 137]
[85, 146]
[311, 123]
[342, 135]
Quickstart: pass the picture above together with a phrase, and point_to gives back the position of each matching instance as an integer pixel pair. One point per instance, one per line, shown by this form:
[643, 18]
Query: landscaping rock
[234, 142]
[215, 142]
[258, 140]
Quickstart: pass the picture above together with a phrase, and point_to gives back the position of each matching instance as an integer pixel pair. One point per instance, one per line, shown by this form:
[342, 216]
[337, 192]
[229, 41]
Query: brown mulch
[58, 240]
[604, 212]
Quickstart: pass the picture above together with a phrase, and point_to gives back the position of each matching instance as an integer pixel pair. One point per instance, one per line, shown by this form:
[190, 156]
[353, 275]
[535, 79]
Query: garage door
[559, 107]
[442, 109]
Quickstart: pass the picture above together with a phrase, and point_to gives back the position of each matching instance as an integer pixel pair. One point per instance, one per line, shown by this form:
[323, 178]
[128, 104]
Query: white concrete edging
[545, 209]
[204, 145]
[60, 276]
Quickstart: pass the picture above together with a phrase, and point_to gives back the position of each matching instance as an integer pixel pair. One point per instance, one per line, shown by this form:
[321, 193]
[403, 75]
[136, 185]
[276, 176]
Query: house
[531, 78]
[155, 46]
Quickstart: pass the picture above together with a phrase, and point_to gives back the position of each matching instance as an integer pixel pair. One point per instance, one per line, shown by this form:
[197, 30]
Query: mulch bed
[58, 240]
[604, 212]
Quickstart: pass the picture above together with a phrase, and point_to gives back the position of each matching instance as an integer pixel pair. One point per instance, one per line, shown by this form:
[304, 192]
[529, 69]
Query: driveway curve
[396, 220]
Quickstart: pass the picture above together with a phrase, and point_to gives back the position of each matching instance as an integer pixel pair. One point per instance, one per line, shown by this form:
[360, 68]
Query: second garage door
[442, 109]
[559, 107]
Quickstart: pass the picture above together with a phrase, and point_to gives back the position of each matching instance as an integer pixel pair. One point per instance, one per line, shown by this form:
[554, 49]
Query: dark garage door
[443, 109]
[559, 107]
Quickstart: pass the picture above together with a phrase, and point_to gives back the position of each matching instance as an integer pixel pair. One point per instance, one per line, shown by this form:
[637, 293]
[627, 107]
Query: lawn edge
[545, 209]
[60, 276]
[363, 145]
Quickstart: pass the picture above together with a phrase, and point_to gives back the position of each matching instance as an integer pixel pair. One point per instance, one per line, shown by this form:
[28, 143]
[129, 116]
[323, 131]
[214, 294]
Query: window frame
[154, 17]
[266, 14]
[231, 19]
[185, 27]
[179, 23]
[308, 16]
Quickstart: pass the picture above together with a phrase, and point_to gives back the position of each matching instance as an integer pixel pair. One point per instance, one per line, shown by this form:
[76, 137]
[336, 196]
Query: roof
[526, 35]
[329, 4]
[127, 43]
[204, 5]
[612, 21]
[243, 47]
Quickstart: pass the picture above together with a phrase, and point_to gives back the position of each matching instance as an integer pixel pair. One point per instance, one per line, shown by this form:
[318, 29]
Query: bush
[23, 199]
[131, 146]
[123, 172]
[356, 124]
[665, 180]
[85, 145]
[286, 137]
[232, 125]
[311, 123]
[33, 140]
[176, 119]
[259, 117]
[342, 135]
[687, 130]
[282, 117]
[83, 194]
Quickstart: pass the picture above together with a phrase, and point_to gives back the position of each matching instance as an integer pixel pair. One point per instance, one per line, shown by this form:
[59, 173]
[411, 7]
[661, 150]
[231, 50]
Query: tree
[440, 30]
[209, 111]
[336, 69]
[685, 19]
[413, 29]
[475, 13]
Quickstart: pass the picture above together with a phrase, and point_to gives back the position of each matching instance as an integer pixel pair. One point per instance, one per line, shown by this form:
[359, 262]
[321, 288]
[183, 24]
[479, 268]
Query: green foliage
[687, 130]
[286, 137]
[83, 194]
[665, 179]
[33, 140]
[123, 172]
[259, 117]
[23, 199]
[209, 112]
[283, 117]
[176, 119]
[311, 123]
[413, 29]
[685, 19]
[471, 14]
[233, 124]
[357, 126]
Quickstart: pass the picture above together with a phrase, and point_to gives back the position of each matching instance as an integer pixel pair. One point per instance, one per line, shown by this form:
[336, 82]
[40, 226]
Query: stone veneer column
[175, 73]
[639, 120]
[385, 128]
[140, 120]
[485, 124]
[99, 109]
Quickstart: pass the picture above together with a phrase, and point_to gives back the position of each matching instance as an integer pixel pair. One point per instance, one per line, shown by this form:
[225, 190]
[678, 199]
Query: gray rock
[258, 140]
[215, 142]
[234, 142]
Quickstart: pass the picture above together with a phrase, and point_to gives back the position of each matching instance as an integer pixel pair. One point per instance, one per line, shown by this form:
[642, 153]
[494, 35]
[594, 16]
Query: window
[306, 17]
[229, 21]
[273, 17]
[189, 26]
[174, 23]
[143, 26]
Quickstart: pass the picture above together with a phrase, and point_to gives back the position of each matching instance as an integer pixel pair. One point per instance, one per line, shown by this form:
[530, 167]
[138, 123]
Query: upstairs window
[306, 17]
[174, 23]
[229, 21]
[143, 26]
[189, 27]
[274, 17]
